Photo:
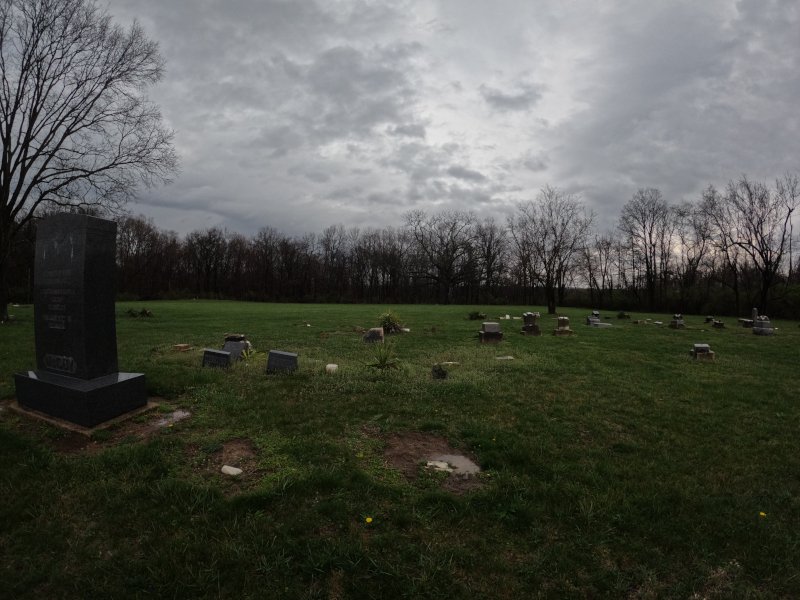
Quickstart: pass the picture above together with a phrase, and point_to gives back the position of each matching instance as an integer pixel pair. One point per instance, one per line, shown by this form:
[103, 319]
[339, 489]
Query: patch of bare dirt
[240, 453]
[237, 453]
[411, 450]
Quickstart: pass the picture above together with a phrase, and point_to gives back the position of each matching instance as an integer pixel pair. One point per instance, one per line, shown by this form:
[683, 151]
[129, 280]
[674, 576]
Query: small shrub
[384, 357]
[476, 316]
[390, 323]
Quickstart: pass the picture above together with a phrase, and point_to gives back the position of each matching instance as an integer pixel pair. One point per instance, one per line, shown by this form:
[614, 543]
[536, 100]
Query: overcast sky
[300, 114]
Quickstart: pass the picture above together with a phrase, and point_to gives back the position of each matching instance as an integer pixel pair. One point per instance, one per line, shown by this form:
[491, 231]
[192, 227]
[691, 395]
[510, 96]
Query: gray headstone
[216, 358]
[77, 376]
[281, 362]
[235, 349]
[701, 348]
[754, 314]
[763, 326]
[374, 335]
[489, 327]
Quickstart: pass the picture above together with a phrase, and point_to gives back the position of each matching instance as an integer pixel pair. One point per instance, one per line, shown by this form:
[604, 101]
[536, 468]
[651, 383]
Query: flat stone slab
[601, 325]
[178, 415]
[460, 465]
[439, 465]
[70, 426]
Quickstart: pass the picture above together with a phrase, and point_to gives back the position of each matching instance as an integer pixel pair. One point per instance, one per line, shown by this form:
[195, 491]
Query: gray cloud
[460, 172]
[299, 115]
[523, 99]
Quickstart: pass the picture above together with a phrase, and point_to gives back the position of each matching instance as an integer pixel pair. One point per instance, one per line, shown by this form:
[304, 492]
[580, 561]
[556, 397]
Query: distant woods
[727, 251]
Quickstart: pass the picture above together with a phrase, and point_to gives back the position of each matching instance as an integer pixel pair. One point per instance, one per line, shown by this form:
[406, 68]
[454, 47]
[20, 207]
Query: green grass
[614, 465]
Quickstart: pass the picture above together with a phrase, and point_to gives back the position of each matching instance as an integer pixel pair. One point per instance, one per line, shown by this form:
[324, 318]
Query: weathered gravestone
[530, 325]
[76, 376]
[702, 352]
[677, 321]
[220, 359]
[762, 326]
[236, 349]
[374, 335]
[593, 318]
[563, 327]
[281, 362]
[490, 333]
[237, 344]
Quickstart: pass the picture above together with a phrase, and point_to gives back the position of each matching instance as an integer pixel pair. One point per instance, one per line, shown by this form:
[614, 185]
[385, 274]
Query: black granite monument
[76, 376]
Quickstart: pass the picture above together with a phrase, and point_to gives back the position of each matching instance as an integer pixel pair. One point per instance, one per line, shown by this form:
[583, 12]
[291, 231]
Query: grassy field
[613, 464]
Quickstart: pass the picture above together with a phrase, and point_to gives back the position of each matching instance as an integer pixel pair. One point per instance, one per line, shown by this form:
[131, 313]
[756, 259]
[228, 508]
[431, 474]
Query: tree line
[721, 254]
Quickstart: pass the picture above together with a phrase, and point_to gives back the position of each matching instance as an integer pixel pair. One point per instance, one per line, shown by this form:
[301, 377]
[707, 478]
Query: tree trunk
[550, 295]
[3, 289]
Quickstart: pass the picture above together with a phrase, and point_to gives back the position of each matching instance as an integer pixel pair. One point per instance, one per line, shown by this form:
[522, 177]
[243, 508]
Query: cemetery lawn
[613, 464]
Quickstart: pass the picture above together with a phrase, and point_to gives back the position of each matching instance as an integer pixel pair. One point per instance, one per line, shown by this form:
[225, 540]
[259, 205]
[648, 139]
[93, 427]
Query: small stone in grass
[232, 471]
[439, 465]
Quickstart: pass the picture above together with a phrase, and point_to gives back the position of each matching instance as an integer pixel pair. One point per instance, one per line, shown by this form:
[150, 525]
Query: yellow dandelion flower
[762, 514]
[368, 520]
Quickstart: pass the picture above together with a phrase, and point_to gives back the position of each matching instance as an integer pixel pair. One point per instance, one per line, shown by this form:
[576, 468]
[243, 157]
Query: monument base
[490, 337]
[83, 402]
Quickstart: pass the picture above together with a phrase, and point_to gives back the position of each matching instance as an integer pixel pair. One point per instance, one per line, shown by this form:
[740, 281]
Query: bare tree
[205, 257]
[76, 127]
[491, 243]
[442, 241]
[645, 223]
[598, 264]
[693, 232]
[723, 240]
[555, 227]
[761, 220]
